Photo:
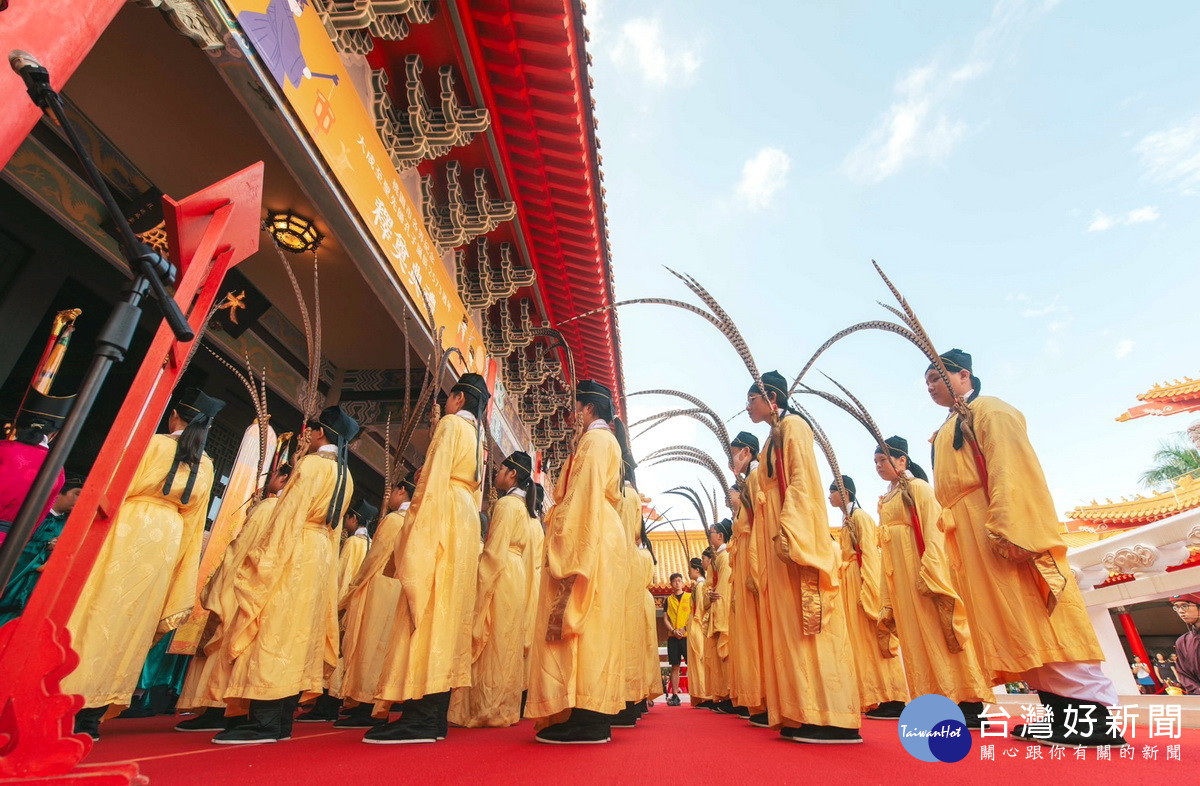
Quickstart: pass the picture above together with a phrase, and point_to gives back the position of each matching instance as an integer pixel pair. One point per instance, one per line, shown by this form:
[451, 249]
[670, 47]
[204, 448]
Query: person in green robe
[37, 551]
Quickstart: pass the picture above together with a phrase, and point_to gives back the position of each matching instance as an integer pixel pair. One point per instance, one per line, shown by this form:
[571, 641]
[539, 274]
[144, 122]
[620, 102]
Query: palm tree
[1174, 458]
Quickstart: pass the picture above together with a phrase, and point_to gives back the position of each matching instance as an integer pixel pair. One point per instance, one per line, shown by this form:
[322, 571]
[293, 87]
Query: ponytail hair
[188, 450]
[627, 461]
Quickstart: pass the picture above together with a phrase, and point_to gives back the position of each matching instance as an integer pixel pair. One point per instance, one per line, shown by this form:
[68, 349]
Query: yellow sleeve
[508, 516]
[354, 553]
[934, 578]
[572, 543]
[718, 615]
[871, 569]
[428, 518]
[181, 593]
[803, 521]
[382, 550]
[1020, 508]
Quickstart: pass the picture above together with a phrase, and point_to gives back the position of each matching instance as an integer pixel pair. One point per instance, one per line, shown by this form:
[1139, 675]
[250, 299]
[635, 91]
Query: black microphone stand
[153, 272]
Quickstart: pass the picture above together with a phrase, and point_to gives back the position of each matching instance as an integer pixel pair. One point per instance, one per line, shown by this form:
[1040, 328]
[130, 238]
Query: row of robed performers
[417, 615]
[958, 586]
[960, 583]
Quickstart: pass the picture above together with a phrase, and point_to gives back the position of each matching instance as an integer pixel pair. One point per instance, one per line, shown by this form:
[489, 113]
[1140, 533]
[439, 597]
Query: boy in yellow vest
[677, 613]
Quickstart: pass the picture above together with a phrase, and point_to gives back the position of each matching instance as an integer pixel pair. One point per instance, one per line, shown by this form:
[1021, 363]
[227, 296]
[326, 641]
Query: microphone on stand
[34, 74]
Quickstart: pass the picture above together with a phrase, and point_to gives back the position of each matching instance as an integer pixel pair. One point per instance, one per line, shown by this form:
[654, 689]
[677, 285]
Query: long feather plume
[692, 496]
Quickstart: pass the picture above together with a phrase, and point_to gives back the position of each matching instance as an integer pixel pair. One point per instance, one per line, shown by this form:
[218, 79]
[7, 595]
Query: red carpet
[671, 745]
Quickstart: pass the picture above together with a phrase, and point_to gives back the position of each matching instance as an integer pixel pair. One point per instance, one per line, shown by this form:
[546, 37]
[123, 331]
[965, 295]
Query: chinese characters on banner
[295, 47]
[1162, 729]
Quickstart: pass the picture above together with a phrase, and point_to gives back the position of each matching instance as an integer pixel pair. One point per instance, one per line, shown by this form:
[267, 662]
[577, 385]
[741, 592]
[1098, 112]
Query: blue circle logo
[932, 728]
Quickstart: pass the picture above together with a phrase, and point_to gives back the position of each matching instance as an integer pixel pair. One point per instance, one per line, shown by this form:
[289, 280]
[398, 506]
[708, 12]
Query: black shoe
[87, 721]
[760, 720]
[643, 706]
[741, 712]
[399, 733]
[1021, 732]
[422, 720]
[821, 735]
[324, 710]
[973, 713]
[265, 724]
[704, 705]
[723, 707]
[583, 727]
[359, 717]
[212, 719]
[673, 700]
[626, 718]
[888, 710]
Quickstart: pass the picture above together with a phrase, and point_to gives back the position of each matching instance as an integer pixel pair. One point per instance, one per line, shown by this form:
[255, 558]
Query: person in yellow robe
[881, 686]
[536, 556]
[697, 636]
[282, 637]
[498, 675]
[143, 583]
[437, 561]
[629, 508]
[920, 610]
[745, 648]
[369, 614]
[1002, 534]
[577, 665]
[717, 619]
[357, 525]
[808, 667]
[208, 673]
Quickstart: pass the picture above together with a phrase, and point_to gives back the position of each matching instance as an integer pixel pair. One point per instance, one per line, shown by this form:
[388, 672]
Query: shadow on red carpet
[670, 745]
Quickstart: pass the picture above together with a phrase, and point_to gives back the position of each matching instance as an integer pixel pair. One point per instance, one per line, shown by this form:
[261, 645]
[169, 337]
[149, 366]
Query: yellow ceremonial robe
[633, 632]
[919, 605]
[208, 672]
[717, 629]
[1005, 549]
[808, 668]
[697, 643]
[498, 638]
[143, 583]
[369, 614]
[283, 635]
[880, 676]
[745, 649]
[651, 665]
[437, 559]
[583, 589]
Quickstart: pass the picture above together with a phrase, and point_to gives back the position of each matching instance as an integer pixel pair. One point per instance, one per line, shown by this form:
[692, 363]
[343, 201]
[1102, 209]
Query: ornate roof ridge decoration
[423, 131]
[458, 221]
[483, 284]
[1166, 398]
[355, 24]
[1177, 390]
[1142, 509]
[187, 17]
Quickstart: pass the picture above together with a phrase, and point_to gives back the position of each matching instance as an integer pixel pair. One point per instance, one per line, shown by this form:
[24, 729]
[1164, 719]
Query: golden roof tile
[1142, 510]
[672, 557]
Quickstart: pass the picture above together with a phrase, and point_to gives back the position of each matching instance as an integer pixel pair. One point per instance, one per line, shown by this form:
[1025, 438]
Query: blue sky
[1027, 173]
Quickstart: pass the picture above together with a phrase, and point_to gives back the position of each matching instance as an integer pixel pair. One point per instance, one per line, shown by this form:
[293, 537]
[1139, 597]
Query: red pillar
[1135, 644]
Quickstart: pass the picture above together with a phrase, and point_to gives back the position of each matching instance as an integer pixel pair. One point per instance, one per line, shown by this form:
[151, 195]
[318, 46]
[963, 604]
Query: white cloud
[1173, 156]
[763, 176]
[1102, 222]
[921, 122]
[1142, 215]
[1123, 349]
[641, 47]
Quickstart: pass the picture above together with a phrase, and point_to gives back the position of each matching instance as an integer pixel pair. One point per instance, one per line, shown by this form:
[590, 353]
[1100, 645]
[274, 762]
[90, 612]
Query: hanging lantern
[293, 232]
